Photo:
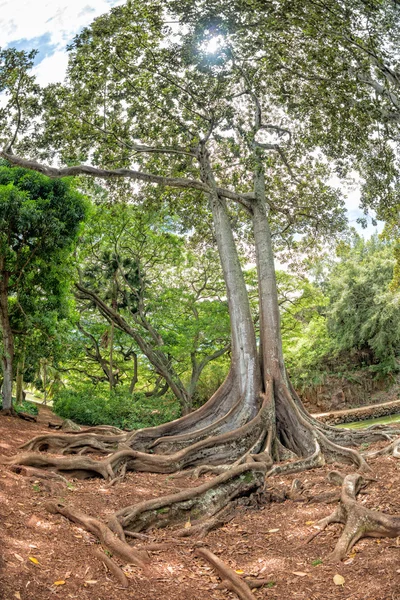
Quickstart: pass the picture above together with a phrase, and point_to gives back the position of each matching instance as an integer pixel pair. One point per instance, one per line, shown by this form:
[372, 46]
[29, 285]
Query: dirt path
[39, 549]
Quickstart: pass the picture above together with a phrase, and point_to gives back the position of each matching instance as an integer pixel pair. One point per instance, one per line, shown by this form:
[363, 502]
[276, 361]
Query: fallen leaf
[188, 524]
[61, 582]
[91, 581]
[272, 530]
[17, 595]
[18, 557]
[338, 579]
[310, 522]
[239, 571]
[34, 560]
[299, 573]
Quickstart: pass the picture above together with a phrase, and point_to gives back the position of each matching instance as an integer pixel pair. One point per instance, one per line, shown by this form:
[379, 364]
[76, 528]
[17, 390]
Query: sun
[213, 44]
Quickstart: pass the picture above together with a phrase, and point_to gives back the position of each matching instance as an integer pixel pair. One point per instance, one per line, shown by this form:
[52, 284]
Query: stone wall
[341, 393]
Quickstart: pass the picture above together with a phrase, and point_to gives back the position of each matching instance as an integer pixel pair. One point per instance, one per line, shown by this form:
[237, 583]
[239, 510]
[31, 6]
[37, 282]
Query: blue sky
[48, 26]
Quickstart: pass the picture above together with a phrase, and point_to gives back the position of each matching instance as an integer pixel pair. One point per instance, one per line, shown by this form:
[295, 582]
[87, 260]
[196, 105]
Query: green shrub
[26, 407]
[93, 406]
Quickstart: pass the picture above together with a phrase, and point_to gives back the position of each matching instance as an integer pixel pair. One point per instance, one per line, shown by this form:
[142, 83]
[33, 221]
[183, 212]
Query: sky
[49, 25]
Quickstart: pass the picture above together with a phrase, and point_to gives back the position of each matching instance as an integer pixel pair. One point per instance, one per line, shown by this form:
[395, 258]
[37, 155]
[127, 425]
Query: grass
[368, 422]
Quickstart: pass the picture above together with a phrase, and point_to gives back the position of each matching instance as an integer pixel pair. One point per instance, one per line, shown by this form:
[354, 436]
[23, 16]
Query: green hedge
[91, 406]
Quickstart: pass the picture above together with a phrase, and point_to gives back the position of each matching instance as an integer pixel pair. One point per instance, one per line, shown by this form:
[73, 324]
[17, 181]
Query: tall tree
[39, 221]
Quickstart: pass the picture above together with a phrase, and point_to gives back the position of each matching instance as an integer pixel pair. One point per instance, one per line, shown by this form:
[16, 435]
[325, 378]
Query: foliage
[26, 407]
[161, 291]
[39, 223]
[364, 312]
[347, 319]
[91, 405]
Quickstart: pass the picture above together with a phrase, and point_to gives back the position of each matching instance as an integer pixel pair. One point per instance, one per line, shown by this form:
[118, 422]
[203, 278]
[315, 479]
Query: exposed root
[202, 528]
[37, 473]
[230, 580]
[72, 443]
[255, 584]
[332, 451]
[310, 462]
[192, 504]
[112, 567]
[106, 537]
[210, 415]
[8, 412]
[77, 466]
[27, 417]
[393, 449]
[358, 521]
[232, 420]
[338, 453]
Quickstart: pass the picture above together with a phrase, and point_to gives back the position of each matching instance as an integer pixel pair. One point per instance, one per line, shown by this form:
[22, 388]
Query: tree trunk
[44, 380]
[245, 364]
[111, 373]
[134, 379]
[8, 342]
[20, 379]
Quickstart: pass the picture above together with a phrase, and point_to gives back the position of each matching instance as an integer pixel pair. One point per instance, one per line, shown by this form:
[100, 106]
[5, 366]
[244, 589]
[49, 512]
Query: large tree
[151, 103]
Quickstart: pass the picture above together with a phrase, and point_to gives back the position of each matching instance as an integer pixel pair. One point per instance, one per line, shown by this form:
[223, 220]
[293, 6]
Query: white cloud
[59, 21]
[24, 19]
[52, 68]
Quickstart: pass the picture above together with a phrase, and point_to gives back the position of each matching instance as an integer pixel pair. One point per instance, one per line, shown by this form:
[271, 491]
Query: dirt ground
[39, 549]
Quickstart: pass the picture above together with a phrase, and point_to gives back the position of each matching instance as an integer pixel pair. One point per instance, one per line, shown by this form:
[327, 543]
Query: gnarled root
[80, 467]
[393, 449]
[358, 521]
[75, 443]
[112, 567]
[106, 537]
[308, 433]
[203, 501]
[201, 528]
[37, 473]
[310, 462]
[230, 580]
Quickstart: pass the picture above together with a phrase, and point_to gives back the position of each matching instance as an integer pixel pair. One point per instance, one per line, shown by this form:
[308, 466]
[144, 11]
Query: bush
[92, 406]
[26, 407]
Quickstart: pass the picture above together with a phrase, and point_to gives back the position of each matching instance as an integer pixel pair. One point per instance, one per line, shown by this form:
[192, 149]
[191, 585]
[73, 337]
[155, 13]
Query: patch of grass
[316, 562]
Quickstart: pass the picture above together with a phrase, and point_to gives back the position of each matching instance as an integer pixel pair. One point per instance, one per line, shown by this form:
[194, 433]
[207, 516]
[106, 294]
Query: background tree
[165, 296]
[39, 222]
